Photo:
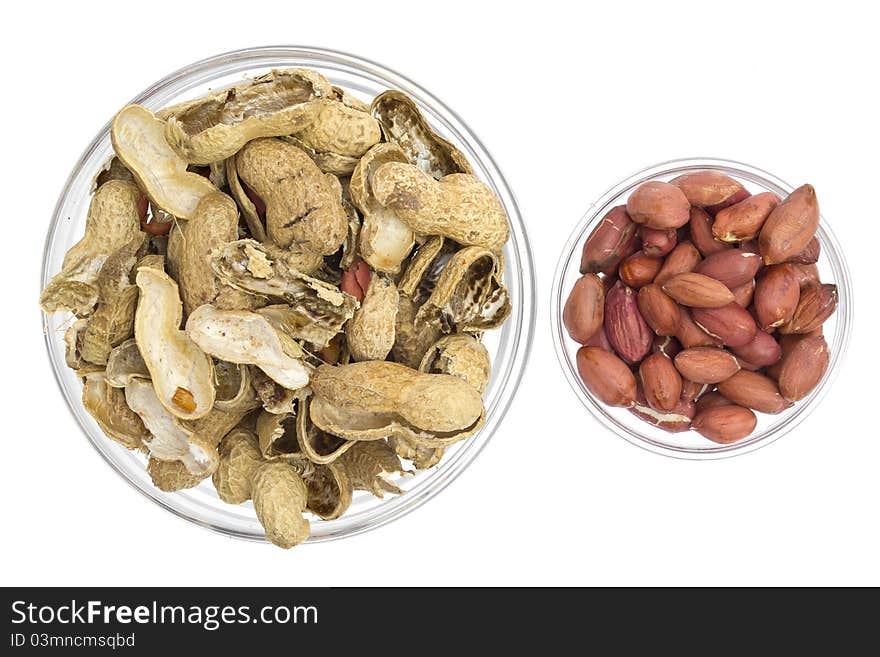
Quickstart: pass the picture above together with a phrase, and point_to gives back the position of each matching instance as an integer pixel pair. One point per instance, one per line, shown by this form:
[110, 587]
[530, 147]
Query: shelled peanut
[700, 304]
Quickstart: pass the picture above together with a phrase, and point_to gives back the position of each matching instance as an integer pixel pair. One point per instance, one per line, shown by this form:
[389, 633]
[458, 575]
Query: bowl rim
[522, 335]
[790, 419]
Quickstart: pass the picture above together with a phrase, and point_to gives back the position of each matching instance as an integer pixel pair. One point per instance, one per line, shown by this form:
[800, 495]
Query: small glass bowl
[508, 346]
[690, 445]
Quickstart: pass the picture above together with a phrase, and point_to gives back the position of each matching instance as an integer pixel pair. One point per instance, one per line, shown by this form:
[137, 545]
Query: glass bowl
[690, 445]
[508, 346]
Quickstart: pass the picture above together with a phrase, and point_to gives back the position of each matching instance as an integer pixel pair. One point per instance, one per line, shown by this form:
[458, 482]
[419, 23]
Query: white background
[567, 103]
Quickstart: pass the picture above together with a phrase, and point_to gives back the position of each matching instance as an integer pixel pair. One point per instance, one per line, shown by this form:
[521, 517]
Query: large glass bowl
[508, 346]
[690, 445]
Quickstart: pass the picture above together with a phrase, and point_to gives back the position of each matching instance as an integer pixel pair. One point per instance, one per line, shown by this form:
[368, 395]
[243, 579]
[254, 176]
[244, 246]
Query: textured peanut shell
[330, 490]
[421, 263]
[170, 476]
[318, 310]
[421, 457]
[469, 294]
[274, 397]
[350, 247]
[370, 467]
[113, 169]
[113, 220]
[434, 402]
[239, 460]
[169, 440]
[385, 240]
[328, 162]
[248, 209]
[303, 204]
[216, 126]
[370, 332]
[244, 337]
[315, 444]
[125, 363]
[210, 429]
[458, 206]
[276, 434]
[460, 355]
[232, 385]
[72, 338]
[403, 124]
[340, 130]
[108, 407]
[139, 141]
[214, 223]
[112, 322]
[175, 362]
[411, 340]
[366, 425]
[280, 497]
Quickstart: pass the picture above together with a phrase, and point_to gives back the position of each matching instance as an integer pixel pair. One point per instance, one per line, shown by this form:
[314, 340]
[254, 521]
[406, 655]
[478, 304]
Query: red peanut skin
[666, 345]
[670, 421]
[356, 280]
[700, 229]
[585, 308]
[732, 324]
[625, 327]
[658, 205]
[733, 267]
[661, 382]
[658, 242]
[682, 259]
[606, 376]
[607, 244]
[725, 424]
[790, 227]
[776, 296]
[762, 351]
[639, 269]
[708, 188]
[803, 367]
[743, 221]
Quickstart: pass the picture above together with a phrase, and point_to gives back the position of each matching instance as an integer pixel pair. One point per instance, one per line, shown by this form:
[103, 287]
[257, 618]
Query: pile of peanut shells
[284, 290]
[700, 303]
